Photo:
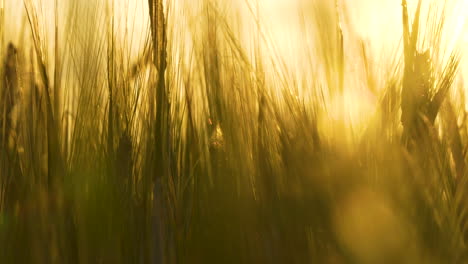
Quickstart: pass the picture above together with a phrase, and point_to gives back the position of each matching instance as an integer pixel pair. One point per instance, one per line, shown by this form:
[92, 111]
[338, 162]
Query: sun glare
[233, 131]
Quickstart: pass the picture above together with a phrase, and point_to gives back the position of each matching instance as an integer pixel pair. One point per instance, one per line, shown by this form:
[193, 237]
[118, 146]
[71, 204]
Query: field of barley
[233, 131]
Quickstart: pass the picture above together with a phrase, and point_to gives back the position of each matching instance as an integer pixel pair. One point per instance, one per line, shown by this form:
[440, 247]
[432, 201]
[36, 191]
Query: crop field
[233, 131]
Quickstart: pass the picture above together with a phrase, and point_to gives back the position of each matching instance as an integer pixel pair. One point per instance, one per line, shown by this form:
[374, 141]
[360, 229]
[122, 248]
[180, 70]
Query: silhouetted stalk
[10, 174]
[162, 135]
[56, 168]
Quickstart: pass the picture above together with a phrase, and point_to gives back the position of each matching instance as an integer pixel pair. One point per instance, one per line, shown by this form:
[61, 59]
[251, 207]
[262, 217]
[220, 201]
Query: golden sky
[376, 21]
[379, 20]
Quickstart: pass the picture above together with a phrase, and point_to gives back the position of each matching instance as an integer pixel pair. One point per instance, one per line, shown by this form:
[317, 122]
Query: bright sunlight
[233, 131]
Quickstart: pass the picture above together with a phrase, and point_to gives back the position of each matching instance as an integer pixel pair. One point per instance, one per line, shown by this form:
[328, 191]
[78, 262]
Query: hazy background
[273, 140]
[379, 20]
[375, 22]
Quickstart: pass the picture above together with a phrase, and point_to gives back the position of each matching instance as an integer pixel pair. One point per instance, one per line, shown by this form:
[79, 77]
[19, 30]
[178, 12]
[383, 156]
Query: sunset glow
[233, 131]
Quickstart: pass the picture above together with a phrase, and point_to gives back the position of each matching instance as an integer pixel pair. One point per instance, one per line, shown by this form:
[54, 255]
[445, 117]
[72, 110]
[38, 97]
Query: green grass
[210, 147]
